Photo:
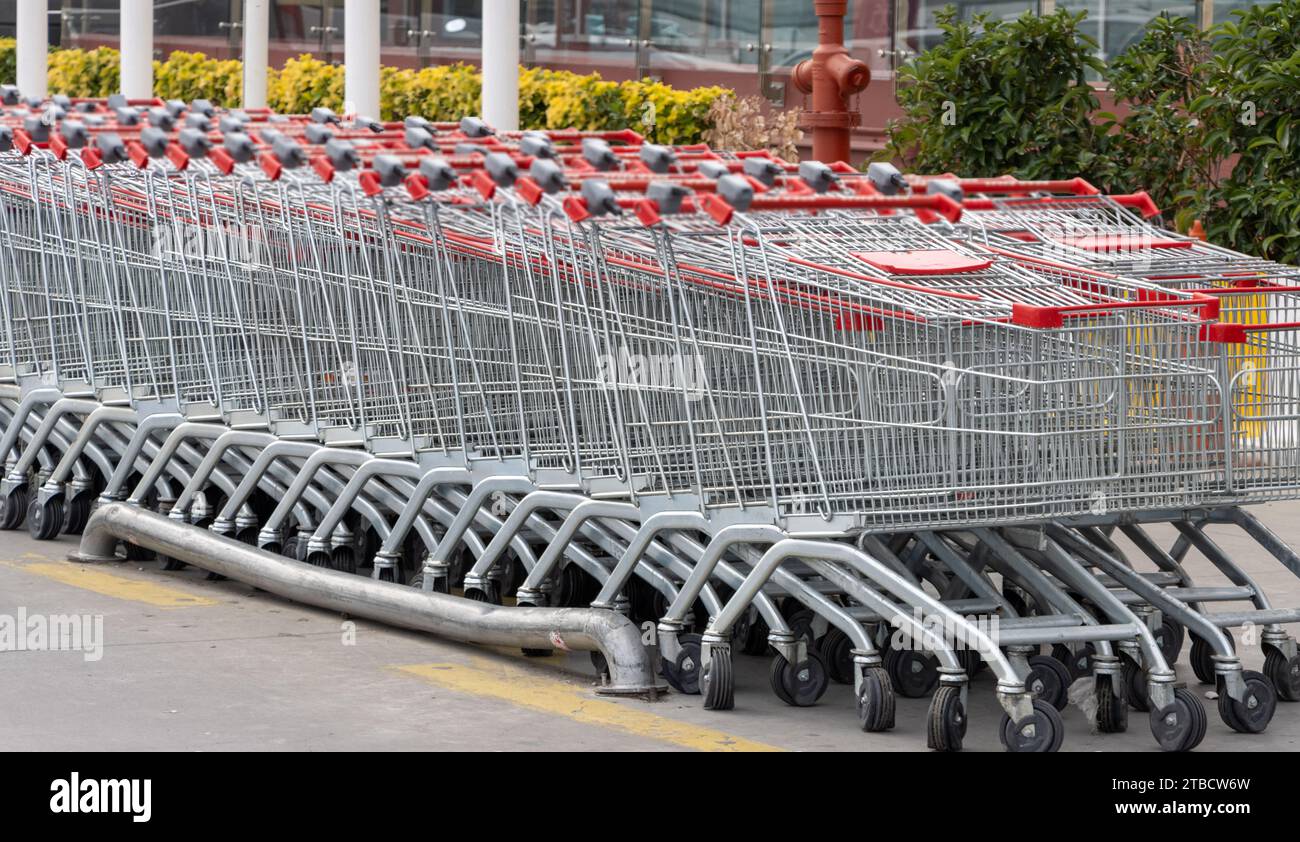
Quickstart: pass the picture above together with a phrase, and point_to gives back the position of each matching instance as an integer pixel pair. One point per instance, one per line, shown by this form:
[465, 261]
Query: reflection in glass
[1116, 25]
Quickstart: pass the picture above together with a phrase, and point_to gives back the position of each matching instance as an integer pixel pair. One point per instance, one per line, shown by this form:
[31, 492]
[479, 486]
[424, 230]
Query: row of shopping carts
[892, 430]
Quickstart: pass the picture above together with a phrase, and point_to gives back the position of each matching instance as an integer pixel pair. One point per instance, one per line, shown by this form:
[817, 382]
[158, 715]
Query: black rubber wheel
[1180, 726]
[1202, 659]
[837, 650]
[971, 662]
[1255, 711]
[78, 514]
[1169, 637]
[488, 593]
[169, 563]
[946, 720]
[135, 552]
[1112, 707]
[1078, 663]
[318, 558]
[570, 586]
[1049, 680]
[344, 558]
[13, 508]
[1135, 685]
[1285, 675]
[1049, 731]
[45, 519]
[804, 684]
[683, 673]
[801, 624]
[913, 674]
[717, 682]
[875, 701]
[1019, 601]
[755, 642]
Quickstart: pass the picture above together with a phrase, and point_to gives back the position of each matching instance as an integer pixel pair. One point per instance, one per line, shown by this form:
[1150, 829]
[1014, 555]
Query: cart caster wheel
[344, 559]
[1078, 663]
[683, 674]
[1135, 682]
[1022, 604]
[755, 643]
[1252, 714]
[1169, 637]
[169, 563]
[1112, 707]
[135, 552]
[1202, 659]
[1182, 725]
[78, 515]
[1048, 734]
[318, 558]
[971, 662]
[799, 686]
[1049, 680]
[946, 720]
[717, 683]
[44, 519]
[1285, 675]
[801, 625]
[913, 674]
[569, 586]
[487, 594]
[876, 701]
[13, 509]
[837, 651]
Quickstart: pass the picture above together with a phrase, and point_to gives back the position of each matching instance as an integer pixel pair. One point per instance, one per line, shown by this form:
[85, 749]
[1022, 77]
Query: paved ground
[191, 664]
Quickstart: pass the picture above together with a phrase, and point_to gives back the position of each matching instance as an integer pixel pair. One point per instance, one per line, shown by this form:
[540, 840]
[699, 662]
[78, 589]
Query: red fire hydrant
[831, 76]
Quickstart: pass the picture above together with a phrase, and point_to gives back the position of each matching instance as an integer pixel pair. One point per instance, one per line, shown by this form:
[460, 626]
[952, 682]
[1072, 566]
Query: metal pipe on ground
[630, 667]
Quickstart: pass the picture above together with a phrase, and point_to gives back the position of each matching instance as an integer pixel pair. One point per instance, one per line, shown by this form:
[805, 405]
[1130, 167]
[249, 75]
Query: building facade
[748, 45]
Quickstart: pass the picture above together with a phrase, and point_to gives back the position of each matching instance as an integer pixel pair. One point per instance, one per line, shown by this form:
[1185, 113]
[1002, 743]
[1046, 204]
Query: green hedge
[548, 99]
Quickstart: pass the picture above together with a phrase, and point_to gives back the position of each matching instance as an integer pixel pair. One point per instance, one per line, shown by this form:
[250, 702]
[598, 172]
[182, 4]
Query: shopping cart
[394, 335]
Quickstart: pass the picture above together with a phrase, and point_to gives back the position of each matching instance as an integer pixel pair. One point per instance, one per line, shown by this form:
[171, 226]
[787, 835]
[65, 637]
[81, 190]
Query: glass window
[1223, 9]
[87, 22]
[917, 28]
[1116, 25]
[706, 34]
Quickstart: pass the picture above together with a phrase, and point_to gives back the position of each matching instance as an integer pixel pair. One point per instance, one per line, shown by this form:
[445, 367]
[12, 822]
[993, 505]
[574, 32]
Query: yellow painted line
[557, 697]
[119, 587]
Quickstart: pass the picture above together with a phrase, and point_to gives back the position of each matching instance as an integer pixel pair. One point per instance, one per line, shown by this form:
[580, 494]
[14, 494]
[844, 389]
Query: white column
[361, 57]
[257, 18]
[32, 29]
[501, 64]
[136, 28]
